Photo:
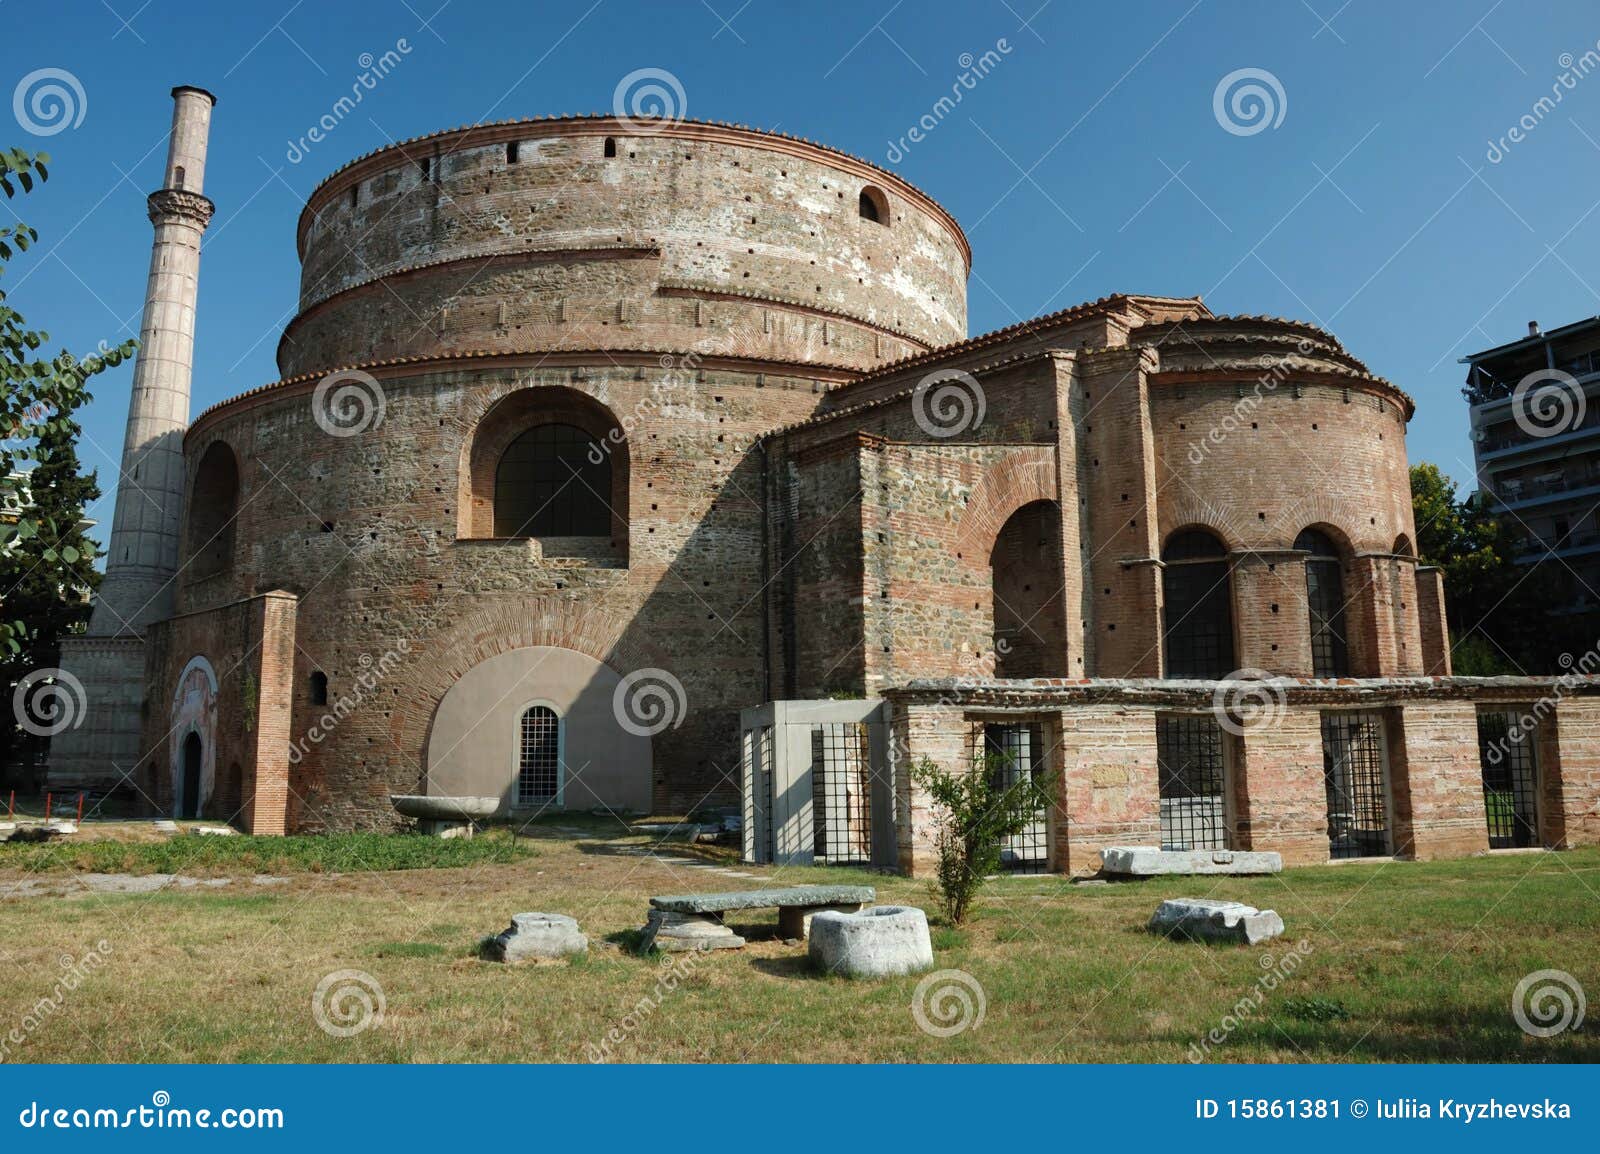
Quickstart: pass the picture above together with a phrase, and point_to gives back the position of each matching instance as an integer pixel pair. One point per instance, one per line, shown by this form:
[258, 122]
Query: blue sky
[1090, 159]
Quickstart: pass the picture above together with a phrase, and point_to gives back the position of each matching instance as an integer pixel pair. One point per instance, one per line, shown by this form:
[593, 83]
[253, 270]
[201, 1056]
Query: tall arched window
[539, 756]
[548, 484]
[319, 688]
[1197, 612]
[873, 205]
[1330, 654]
[213, 508]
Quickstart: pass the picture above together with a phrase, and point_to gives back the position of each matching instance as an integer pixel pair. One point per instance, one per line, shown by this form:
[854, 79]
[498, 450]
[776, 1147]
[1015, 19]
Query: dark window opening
[425, 167]
[1510, 768]
[539, 757]
[513, 150]
[873, 206]
[1192, 776]
[1197, 615]
[611, 146]
[177, 177]
[213, 509]
[1009, 752]
[1353, 774]
[549, 485]
[319, 688]
[1330, 651]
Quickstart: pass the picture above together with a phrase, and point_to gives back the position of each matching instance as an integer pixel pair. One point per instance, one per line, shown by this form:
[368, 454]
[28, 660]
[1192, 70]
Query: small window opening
[873, 206]
[512, 152]
[319, 688]
[611, 146]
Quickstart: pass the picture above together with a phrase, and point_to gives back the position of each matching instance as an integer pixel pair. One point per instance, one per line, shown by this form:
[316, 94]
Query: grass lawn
[1391, 962]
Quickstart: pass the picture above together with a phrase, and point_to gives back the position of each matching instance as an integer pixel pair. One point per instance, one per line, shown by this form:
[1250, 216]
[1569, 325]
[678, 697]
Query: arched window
[873, 205]
[319, 688]
[611, 146]
[539, 756]
[1402, 546]
[1026, 576]
[548, 484]
[1197, 609]
[213, 508]
[1330, 654]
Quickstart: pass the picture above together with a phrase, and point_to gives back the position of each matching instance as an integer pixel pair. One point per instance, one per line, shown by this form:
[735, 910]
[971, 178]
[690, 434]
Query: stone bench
[1150, 862]
[695, 921]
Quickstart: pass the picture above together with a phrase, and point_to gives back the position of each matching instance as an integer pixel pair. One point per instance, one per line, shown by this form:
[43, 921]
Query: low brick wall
[1102, 740]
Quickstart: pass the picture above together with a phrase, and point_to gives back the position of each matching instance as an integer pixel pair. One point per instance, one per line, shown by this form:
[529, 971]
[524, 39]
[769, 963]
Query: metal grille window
[1193, 782]
[1510, 767]
[539, 758]
[1353, 769]
[548, 485]
[841, 794]
[1011, 751]
[1330, 655]
[1197, 625]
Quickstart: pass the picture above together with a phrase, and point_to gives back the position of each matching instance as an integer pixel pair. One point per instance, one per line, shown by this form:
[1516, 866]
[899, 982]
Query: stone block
[676, 932]
[1150, 862]
[1206, 920]
[794, 922]
[535, 936]
[882, 942]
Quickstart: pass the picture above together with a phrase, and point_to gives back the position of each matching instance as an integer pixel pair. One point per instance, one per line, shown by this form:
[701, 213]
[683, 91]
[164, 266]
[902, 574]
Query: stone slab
[680, 932]
[762, 899]
[536, 936]
[1208, 920]
[430, 808]
[882, 942]
[1149, 862]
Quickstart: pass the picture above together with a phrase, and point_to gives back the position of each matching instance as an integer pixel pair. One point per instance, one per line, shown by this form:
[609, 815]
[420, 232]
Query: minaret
[142, 556]
[101, 745]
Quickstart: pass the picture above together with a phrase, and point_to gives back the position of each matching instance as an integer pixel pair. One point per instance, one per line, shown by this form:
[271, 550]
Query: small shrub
[977, 809]
[1315, 1009]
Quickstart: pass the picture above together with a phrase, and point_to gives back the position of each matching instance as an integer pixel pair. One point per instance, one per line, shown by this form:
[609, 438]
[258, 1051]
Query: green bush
[977, 809]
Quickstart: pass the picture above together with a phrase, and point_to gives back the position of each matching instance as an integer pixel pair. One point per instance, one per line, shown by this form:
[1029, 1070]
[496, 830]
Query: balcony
[1572, 544]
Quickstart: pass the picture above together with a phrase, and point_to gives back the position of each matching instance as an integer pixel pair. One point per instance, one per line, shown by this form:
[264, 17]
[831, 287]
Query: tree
[1498, 610]
[976, 810]
[38, 397]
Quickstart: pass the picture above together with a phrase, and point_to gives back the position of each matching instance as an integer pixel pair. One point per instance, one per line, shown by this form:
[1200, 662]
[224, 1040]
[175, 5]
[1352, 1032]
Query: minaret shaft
[146, 529]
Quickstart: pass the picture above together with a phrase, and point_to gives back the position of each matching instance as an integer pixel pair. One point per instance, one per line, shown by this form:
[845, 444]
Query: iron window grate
[1199, 619]
[1012, 750]
[841, 794]
[1510, 766]
[1192, 774]
[1353, 773]
[539, 762]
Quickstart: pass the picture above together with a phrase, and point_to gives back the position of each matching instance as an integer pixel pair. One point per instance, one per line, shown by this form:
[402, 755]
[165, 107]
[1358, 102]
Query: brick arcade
[573, 407]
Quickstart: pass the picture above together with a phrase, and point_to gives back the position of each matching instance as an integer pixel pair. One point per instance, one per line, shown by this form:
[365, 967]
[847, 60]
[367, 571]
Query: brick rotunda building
[593, 433]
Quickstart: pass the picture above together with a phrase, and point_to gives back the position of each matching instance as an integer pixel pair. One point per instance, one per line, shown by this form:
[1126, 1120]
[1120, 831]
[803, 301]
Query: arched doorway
[1027, 581]
[189, 769]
